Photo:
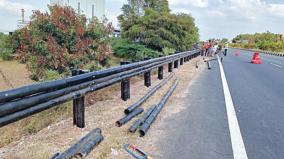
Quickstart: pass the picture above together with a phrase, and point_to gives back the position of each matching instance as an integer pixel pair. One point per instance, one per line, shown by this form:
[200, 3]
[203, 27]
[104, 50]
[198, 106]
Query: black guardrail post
[176, 62]
[79, 104]
[187, 58]
[170, 67]
[147, 76]
[160, 71]
[128, 84]
[125, 85]
[181, 61]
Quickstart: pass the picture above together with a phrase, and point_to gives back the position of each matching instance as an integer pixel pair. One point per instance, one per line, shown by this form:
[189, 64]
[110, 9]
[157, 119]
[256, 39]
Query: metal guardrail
[19, 103]
[280, 54]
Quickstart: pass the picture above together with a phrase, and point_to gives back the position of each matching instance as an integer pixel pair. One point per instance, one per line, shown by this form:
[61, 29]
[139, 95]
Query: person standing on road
[208, 48]
[226, 49]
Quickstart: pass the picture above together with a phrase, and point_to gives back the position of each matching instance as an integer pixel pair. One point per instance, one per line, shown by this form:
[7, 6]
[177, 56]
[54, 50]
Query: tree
[61, 40]
[157, 28]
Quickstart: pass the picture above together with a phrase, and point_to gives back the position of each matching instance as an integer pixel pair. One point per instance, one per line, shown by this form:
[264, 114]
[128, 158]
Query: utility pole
[93, 11]
[23, 15]
[79, 8]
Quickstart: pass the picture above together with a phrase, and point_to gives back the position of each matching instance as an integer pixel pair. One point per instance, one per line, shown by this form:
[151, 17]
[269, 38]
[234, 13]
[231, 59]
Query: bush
[168, 51]
[6, 54]
[133, 51]
[51, 75]
[5, 51]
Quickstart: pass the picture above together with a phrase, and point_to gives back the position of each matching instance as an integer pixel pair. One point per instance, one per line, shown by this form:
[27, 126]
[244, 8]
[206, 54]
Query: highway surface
[246, 120]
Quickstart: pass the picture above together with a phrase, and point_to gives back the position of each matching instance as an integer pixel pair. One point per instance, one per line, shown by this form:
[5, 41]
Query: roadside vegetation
[60, 40]
[149, 29]
[263, 41]
[5, 50]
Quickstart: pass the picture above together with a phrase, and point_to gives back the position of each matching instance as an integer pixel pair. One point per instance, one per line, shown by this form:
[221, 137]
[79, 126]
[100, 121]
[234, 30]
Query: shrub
[5, 51]
[133, 51]
[168, 51]
[51, 75]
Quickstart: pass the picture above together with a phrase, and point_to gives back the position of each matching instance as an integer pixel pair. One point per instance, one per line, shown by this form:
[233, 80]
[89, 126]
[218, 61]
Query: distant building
[89, 8]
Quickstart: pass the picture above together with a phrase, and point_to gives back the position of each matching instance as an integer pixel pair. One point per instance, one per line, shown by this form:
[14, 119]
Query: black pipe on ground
[196, 65]
[21, 92]
[147, 95]
[209, 65]
[145, 127]
[140, 121]
[128, 117]
[83, 147]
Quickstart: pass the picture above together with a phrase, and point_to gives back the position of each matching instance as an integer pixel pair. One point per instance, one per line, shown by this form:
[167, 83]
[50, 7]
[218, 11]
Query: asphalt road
[202, 132]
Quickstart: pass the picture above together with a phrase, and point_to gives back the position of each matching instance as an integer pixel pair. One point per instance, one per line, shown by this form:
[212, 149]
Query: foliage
[168, 51]
[150, 23]
[5, 51]
[51, 75]
[264, 41]
[124, 49]
[60, 40]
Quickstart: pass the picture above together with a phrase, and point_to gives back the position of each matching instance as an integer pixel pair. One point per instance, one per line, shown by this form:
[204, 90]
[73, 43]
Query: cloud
[195, 3]
[216, 13]
[13, 8]
[276, 9]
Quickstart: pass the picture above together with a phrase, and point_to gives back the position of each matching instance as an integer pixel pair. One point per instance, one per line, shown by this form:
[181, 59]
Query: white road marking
[239, 150]
[276, 65]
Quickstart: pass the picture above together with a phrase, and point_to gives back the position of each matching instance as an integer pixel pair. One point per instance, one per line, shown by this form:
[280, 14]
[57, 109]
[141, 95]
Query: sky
[214, 18]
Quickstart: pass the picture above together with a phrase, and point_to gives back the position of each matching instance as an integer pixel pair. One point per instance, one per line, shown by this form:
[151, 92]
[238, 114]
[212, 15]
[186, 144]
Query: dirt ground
[13, 75]
[103, 114]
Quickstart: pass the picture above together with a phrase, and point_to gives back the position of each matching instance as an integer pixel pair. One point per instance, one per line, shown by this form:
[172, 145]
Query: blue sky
[214, 18]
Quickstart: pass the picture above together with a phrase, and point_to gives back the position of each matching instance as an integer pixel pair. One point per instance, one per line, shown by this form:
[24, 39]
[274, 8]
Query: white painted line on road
[239, 150]
[276, 65]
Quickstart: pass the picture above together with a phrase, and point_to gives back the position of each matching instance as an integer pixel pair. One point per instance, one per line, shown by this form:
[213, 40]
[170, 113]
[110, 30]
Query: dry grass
[13, 75]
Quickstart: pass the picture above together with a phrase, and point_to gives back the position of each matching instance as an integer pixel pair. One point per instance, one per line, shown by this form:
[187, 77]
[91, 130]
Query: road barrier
[280, 54]
[25, 101]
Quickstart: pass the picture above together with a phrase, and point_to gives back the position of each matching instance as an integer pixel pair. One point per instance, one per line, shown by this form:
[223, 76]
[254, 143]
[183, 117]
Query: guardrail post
[170, 67]
[147, 76]
[181, 61]
[177, 61]
[160, 71]
[125, 85]
[79, 105]
[176, 64]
